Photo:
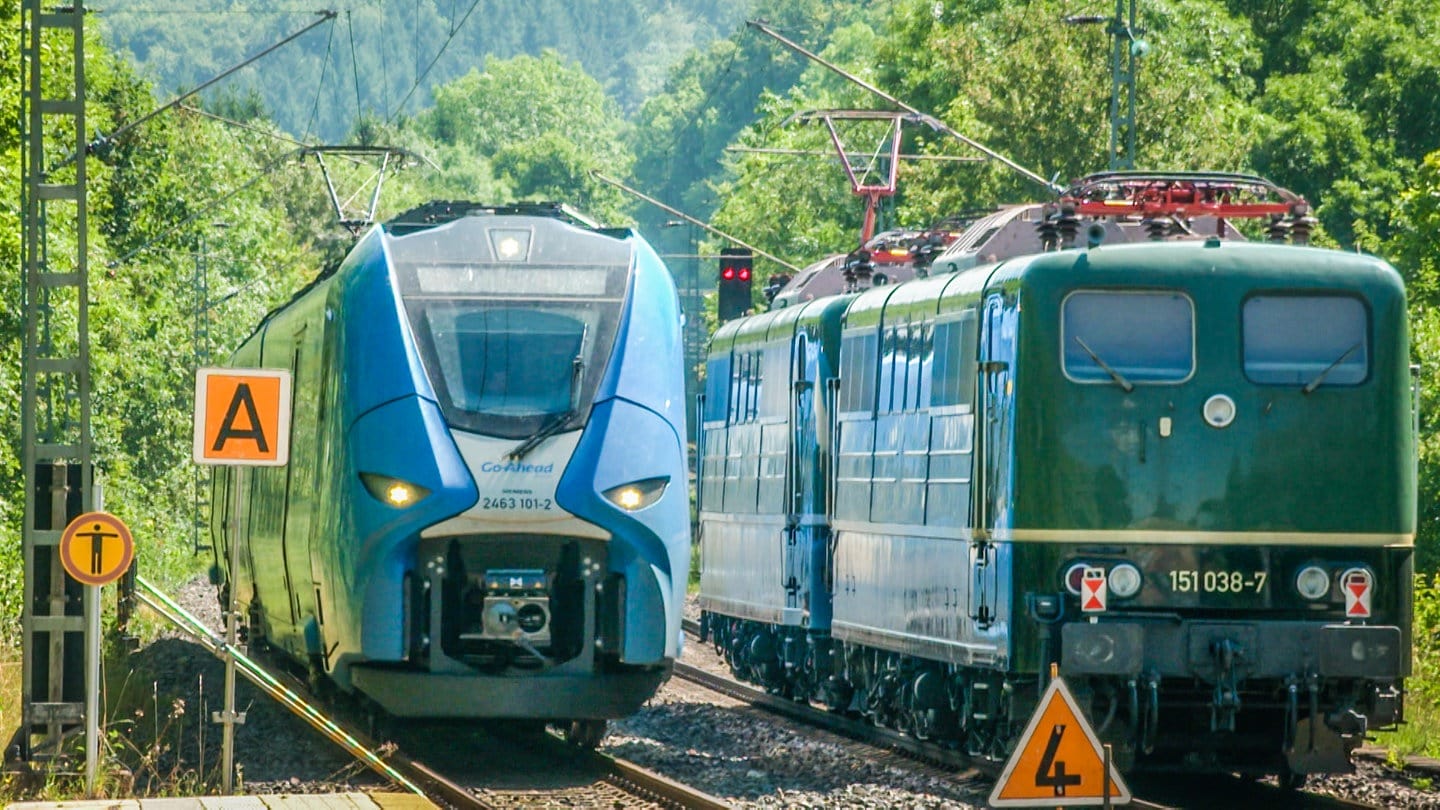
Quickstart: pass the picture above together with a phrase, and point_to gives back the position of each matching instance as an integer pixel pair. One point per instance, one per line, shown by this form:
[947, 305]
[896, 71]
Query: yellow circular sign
[96, 548]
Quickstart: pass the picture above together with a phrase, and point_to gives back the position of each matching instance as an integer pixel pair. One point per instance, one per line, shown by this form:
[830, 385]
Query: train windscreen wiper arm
[546, 431]
[1117, 376]
[1315, 383]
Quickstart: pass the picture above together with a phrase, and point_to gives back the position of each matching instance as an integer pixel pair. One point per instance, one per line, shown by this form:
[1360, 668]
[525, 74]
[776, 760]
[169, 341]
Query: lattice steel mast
[56, 435]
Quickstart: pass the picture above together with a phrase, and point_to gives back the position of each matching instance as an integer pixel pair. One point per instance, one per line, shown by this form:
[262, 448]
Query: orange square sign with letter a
[242, 416]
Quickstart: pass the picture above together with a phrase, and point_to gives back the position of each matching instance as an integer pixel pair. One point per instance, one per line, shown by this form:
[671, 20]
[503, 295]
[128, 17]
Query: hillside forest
[498, 101]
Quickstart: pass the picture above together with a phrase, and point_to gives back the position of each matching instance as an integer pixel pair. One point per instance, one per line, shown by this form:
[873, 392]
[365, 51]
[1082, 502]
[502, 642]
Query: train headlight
[637, 495]
[393, 491]
[1125, 580]
[1313, 582]
[1073, 575]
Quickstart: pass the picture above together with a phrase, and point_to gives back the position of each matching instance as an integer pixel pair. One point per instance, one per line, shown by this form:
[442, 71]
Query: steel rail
[398, 767]
[856, 730]
[153, 598]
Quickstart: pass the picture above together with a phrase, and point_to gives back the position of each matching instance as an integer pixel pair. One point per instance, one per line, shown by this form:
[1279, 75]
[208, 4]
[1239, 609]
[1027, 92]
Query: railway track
[456, 765]
[1164, 793]
[528, 768]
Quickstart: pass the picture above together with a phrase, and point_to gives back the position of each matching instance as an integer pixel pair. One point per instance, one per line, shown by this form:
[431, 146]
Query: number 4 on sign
[1059, 761]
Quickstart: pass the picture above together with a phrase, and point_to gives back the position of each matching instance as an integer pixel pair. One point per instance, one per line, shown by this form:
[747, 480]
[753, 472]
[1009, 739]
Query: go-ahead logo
[516, 467]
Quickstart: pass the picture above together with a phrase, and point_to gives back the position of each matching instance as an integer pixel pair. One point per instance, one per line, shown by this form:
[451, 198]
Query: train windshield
[512, 347]
[1305, 340]
[1125, 337]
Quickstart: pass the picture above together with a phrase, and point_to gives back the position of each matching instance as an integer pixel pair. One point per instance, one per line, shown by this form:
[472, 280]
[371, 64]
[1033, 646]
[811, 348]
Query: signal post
[242, 418]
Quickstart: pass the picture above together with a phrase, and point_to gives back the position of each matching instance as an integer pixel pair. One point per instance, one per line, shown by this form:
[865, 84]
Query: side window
[1306, 340]
[776, 363]
[858, 372]
[1138, 336]
[887, 370]
[924, 365]
[717, 389]
[746, 390]
[953, 369]
[737, 390]
[900, 400]
[757, 382]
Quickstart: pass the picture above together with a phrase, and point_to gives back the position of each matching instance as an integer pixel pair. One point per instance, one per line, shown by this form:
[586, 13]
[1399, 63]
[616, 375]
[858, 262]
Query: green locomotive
[1182, 470]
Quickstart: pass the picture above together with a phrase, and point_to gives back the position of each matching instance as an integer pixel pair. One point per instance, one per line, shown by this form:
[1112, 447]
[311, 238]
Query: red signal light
[744, 274]
[727, 273]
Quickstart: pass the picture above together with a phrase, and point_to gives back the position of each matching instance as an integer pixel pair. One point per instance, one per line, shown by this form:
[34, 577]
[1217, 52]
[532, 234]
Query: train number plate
[1193, 581]
[517, 503]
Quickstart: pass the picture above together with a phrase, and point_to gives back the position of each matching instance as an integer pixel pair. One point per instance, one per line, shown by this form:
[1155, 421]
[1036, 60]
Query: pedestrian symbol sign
[1059, 761]
[96, 548]
[242, 416]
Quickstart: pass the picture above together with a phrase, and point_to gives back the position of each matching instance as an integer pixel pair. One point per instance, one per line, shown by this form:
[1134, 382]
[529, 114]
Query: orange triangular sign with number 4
[1059, 761]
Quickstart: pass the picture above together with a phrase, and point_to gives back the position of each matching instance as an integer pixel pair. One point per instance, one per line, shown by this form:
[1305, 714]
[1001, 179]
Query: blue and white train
[485, 513]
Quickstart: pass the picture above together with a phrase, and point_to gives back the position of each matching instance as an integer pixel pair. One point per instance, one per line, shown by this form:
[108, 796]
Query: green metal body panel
[1297, 478]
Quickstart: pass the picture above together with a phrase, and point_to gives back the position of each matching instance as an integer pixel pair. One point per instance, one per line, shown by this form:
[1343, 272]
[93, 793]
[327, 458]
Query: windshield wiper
[577, 367]
[1315, 383]
[546, 431]
[1119, 378]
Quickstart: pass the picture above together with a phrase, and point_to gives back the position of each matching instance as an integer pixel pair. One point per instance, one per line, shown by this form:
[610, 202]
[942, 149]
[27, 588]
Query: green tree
[544, 125]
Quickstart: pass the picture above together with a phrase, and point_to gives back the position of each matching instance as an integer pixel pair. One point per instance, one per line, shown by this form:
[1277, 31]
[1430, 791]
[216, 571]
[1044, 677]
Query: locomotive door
[300, 487]
[800, 471]
[992, 462]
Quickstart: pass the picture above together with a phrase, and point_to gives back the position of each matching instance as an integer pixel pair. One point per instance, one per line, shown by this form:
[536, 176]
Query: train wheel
[585, 733]
[1289, 780]
[319, 682]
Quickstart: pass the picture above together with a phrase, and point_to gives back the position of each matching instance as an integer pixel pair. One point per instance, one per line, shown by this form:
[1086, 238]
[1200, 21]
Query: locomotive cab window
[1306, 340]
[1126, 338]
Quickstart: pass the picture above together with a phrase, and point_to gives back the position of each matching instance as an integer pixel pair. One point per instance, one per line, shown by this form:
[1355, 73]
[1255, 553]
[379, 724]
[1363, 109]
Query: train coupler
[1225, 703]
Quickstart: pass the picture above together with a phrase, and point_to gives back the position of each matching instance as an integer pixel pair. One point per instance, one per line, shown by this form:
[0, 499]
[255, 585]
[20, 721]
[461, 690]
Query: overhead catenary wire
[269, 168]
[354, 65]
[940, 125]
[735, 239]
[320, 86]
[325, 16]
[446, 44]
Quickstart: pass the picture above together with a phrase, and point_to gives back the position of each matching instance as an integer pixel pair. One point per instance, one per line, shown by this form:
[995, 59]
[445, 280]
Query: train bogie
[485, 512]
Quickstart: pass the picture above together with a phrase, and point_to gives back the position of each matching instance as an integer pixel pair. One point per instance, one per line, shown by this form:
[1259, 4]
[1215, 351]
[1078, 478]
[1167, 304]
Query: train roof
[440, 212]
[1252, 263]
[777, 323]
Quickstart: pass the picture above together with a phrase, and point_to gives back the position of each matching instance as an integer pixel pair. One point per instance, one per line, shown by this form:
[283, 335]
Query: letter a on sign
[242, 416]
[1059, 761]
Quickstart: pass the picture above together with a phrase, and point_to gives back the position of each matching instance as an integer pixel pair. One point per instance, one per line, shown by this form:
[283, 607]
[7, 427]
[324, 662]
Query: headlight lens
[1125, 580]
[392, 491]
[1313, 582]
[1073, 575]
[637, 495]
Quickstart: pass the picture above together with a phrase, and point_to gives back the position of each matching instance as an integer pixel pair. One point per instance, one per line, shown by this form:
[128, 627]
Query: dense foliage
[385, 59]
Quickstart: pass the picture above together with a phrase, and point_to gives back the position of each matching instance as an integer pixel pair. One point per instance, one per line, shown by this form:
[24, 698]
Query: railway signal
[736, 275]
